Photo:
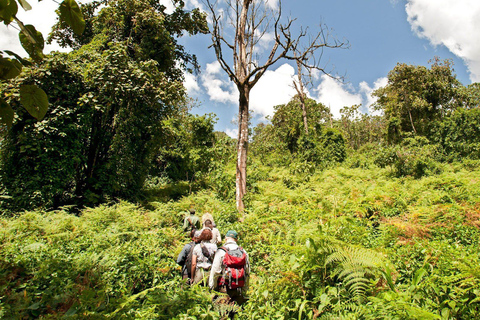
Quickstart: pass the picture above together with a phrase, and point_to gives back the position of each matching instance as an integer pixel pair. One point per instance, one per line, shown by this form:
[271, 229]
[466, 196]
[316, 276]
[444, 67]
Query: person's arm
[247, 276]
[219, 237]
[216, 269]
[194, 266]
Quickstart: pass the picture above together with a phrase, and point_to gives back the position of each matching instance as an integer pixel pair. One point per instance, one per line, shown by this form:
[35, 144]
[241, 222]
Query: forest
[365, 216]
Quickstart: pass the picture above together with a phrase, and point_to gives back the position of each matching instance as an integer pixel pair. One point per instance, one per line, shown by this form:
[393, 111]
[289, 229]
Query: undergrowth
[347, 242]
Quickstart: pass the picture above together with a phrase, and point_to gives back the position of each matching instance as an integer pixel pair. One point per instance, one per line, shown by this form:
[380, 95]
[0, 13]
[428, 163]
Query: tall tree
[108, 100]
[251, 21]
[415, 96]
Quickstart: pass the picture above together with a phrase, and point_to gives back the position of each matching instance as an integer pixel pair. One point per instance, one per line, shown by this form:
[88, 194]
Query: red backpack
[234, 273]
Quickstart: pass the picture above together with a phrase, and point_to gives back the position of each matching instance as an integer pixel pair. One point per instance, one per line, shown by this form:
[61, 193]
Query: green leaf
[70, 13]
[9, 68]
[25, 5]
[8, 9]
[32, 41]
[418, 276]
[23, 61]
[35, 100]
[6, 113]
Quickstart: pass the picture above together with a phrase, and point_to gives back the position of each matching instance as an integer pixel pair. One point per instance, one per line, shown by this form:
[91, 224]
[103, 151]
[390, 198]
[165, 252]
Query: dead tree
[237, 27]
[302, 95]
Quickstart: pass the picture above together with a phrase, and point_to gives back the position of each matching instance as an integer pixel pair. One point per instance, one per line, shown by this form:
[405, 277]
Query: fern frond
[356, 266]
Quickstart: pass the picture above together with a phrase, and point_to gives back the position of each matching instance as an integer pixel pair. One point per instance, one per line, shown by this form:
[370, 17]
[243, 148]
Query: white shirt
[216, 237]
[202, 261]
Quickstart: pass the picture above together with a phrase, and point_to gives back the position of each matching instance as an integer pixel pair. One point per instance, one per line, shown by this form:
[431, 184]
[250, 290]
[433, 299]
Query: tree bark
[301, 94]
[242, 148]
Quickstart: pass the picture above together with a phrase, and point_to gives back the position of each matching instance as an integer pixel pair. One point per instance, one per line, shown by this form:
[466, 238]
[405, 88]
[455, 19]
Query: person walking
[216, 237]
[230, 271]
[202, 257]
[191, 221]
[184, 259]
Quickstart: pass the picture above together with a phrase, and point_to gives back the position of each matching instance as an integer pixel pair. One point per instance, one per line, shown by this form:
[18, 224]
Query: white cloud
[191, 83]
[169, 6]
[367, 91]
[232, 133]
[218, 89]
[274, 88]
[454, 24]
[336, 95]
[272, 4]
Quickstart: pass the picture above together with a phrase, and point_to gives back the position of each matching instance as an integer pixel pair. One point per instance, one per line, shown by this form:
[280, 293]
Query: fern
[357, 267]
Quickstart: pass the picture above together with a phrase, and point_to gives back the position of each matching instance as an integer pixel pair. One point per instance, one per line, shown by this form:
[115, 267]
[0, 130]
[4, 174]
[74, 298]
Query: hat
[231, 234]
[192, 211]
[197, 233]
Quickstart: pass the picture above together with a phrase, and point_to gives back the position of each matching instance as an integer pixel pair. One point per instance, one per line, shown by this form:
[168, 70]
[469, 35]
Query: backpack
[234, 263]
[206, 253]
[188, 261]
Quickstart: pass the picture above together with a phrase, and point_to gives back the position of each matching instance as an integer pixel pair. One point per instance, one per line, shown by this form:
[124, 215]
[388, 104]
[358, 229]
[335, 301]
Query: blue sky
[380, 33]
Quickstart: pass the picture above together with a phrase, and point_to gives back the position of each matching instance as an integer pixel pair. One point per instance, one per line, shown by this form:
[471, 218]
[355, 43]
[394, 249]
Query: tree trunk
[304, 114]
[242, 148]
[302, 95]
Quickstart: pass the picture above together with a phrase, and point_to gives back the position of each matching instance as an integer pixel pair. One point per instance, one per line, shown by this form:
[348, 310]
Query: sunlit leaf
[25, 5]
[70, 13]
[6, 113]
[35, 100]
[9, 68]
[32, 41]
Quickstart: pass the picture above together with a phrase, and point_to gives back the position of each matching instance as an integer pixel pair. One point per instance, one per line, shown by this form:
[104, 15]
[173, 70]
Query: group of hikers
[223, 268]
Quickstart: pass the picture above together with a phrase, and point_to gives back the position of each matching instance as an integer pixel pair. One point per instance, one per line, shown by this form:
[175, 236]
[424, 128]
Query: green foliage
[33, 43]
[321, 146]
[413, 157]
[187, 152]
[359, 128]
[459, 134]
[106, 111]
[415, 96]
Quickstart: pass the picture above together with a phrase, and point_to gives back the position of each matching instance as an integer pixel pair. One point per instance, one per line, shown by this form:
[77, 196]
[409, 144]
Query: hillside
[342, 243]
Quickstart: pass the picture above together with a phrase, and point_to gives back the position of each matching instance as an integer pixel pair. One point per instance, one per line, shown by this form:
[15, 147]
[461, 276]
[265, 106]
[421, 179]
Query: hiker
[191, 222]
[230, 270]
[202, 257]
[216, 237]
[207, 216]
[184, 254]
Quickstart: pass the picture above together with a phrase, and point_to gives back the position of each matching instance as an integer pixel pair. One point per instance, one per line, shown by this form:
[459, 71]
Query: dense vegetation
[362, 217]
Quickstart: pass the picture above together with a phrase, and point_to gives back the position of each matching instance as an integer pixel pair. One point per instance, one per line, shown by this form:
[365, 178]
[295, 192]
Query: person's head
[192, 211]
[206, 235]
[208, 224]
[231, 234]
[196, 236]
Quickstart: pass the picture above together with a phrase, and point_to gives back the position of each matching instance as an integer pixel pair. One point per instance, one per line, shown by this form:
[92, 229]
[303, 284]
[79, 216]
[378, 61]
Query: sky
[380, 34]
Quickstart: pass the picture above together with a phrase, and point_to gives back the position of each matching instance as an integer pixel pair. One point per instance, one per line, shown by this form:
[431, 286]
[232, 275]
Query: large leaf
[25, 5]
[32, 41]
[70, 13]
[9, 68]
[6, 113]
[20, 59]
[8, 9]
[35, 100]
